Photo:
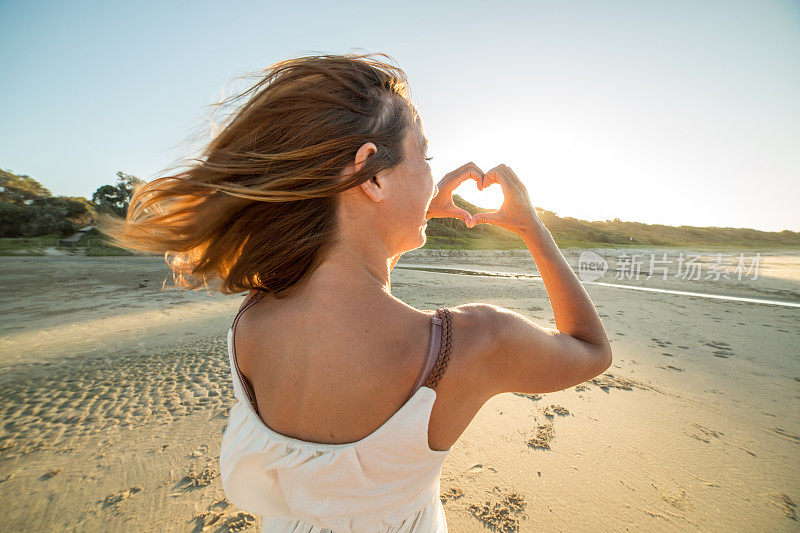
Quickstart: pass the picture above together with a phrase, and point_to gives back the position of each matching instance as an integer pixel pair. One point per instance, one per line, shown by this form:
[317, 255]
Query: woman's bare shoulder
[477, 320]
[473, 338]
[463, 388]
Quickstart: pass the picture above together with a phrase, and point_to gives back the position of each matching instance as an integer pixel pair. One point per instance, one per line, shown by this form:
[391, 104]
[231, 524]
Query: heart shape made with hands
[442, 205]
[494, 195]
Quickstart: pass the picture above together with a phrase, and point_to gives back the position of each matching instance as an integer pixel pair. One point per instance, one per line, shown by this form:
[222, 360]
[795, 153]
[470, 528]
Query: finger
[499, 176]
[453, 179]
[504, 173]
[461, 214]
[468, 166]
[457, 177]
[483, 218]
[513, 177]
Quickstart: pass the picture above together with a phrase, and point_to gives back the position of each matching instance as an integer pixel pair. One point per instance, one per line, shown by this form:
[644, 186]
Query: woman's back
[348, 370]
[386, 479]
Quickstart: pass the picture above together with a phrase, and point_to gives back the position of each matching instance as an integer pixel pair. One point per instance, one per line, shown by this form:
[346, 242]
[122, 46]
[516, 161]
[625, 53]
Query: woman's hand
[516, 213]
[442, 205]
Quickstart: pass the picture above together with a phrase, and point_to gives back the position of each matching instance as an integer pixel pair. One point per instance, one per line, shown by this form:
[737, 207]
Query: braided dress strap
[250, 300]
[444, 350]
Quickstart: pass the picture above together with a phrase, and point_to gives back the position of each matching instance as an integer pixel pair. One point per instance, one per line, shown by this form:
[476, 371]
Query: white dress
[388, 481]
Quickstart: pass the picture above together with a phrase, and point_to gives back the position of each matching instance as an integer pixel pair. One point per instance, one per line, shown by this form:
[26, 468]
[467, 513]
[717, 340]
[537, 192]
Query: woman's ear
[370, 187]
[363, 153]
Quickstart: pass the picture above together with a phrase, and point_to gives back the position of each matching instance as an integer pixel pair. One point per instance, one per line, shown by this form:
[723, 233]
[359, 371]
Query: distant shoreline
[53, 251]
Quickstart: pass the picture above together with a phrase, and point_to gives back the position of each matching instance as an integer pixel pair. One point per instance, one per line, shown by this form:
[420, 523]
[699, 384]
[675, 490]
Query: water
[465, 272]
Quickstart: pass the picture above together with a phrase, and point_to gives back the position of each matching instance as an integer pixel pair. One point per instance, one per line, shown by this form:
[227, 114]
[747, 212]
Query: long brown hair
[258, 210]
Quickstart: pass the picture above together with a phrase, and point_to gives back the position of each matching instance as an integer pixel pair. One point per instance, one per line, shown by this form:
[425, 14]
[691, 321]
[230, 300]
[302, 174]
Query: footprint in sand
[453, 493]
[705, 433]
[114, 499]
[544, 434]
[552, 410]
[676, 497]
[199, 452]
[213, 514]
[50, 473]
[238, 522]
[476, 468]
[529, 396]
[503, 515]
[787, 505]
[194, 479]
[720, 349]
[660, 343]
[610, 381]
[785, 433]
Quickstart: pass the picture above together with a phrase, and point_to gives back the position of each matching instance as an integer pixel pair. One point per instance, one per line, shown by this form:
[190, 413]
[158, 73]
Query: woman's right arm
[526, 357]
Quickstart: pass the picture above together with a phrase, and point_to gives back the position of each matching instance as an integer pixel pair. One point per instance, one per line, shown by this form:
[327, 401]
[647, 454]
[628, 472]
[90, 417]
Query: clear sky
[673, 112]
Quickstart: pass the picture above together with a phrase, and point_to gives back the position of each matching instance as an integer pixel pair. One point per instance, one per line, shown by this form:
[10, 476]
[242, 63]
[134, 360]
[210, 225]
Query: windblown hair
[258, 209]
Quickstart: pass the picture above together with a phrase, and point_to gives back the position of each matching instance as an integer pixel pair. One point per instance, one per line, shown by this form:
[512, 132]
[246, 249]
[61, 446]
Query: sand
[114, 397]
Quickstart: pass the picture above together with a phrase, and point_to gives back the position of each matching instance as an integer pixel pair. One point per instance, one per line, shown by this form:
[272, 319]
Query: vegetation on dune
[572, 232]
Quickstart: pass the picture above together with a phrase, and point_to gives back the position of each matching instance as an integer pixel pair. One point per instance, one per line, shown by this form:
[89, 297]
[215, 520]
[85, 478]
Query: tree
[115, 199]
[67, 207]
[20, 190]
[43, 216]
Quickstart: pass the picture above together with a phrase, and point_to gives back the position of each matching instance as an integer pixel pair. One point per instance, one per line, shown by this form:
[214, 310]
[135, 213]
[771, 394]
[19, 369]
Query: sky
[673, 112]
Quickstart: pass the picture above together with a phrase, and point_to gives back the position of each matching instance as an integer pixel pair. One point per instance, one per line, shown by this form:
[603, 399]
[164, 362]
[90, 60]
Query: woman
[349, 399]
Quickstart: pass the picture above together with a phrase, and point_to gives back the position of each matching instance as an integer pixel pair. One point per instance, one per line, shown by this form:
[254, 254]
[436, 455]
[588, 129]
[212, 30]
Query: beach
[115, 396]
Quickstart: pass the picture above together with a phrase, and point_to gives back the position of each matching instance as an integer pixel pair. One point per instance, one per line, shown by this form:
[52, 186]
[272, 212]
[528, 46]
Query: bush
[42, 217]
